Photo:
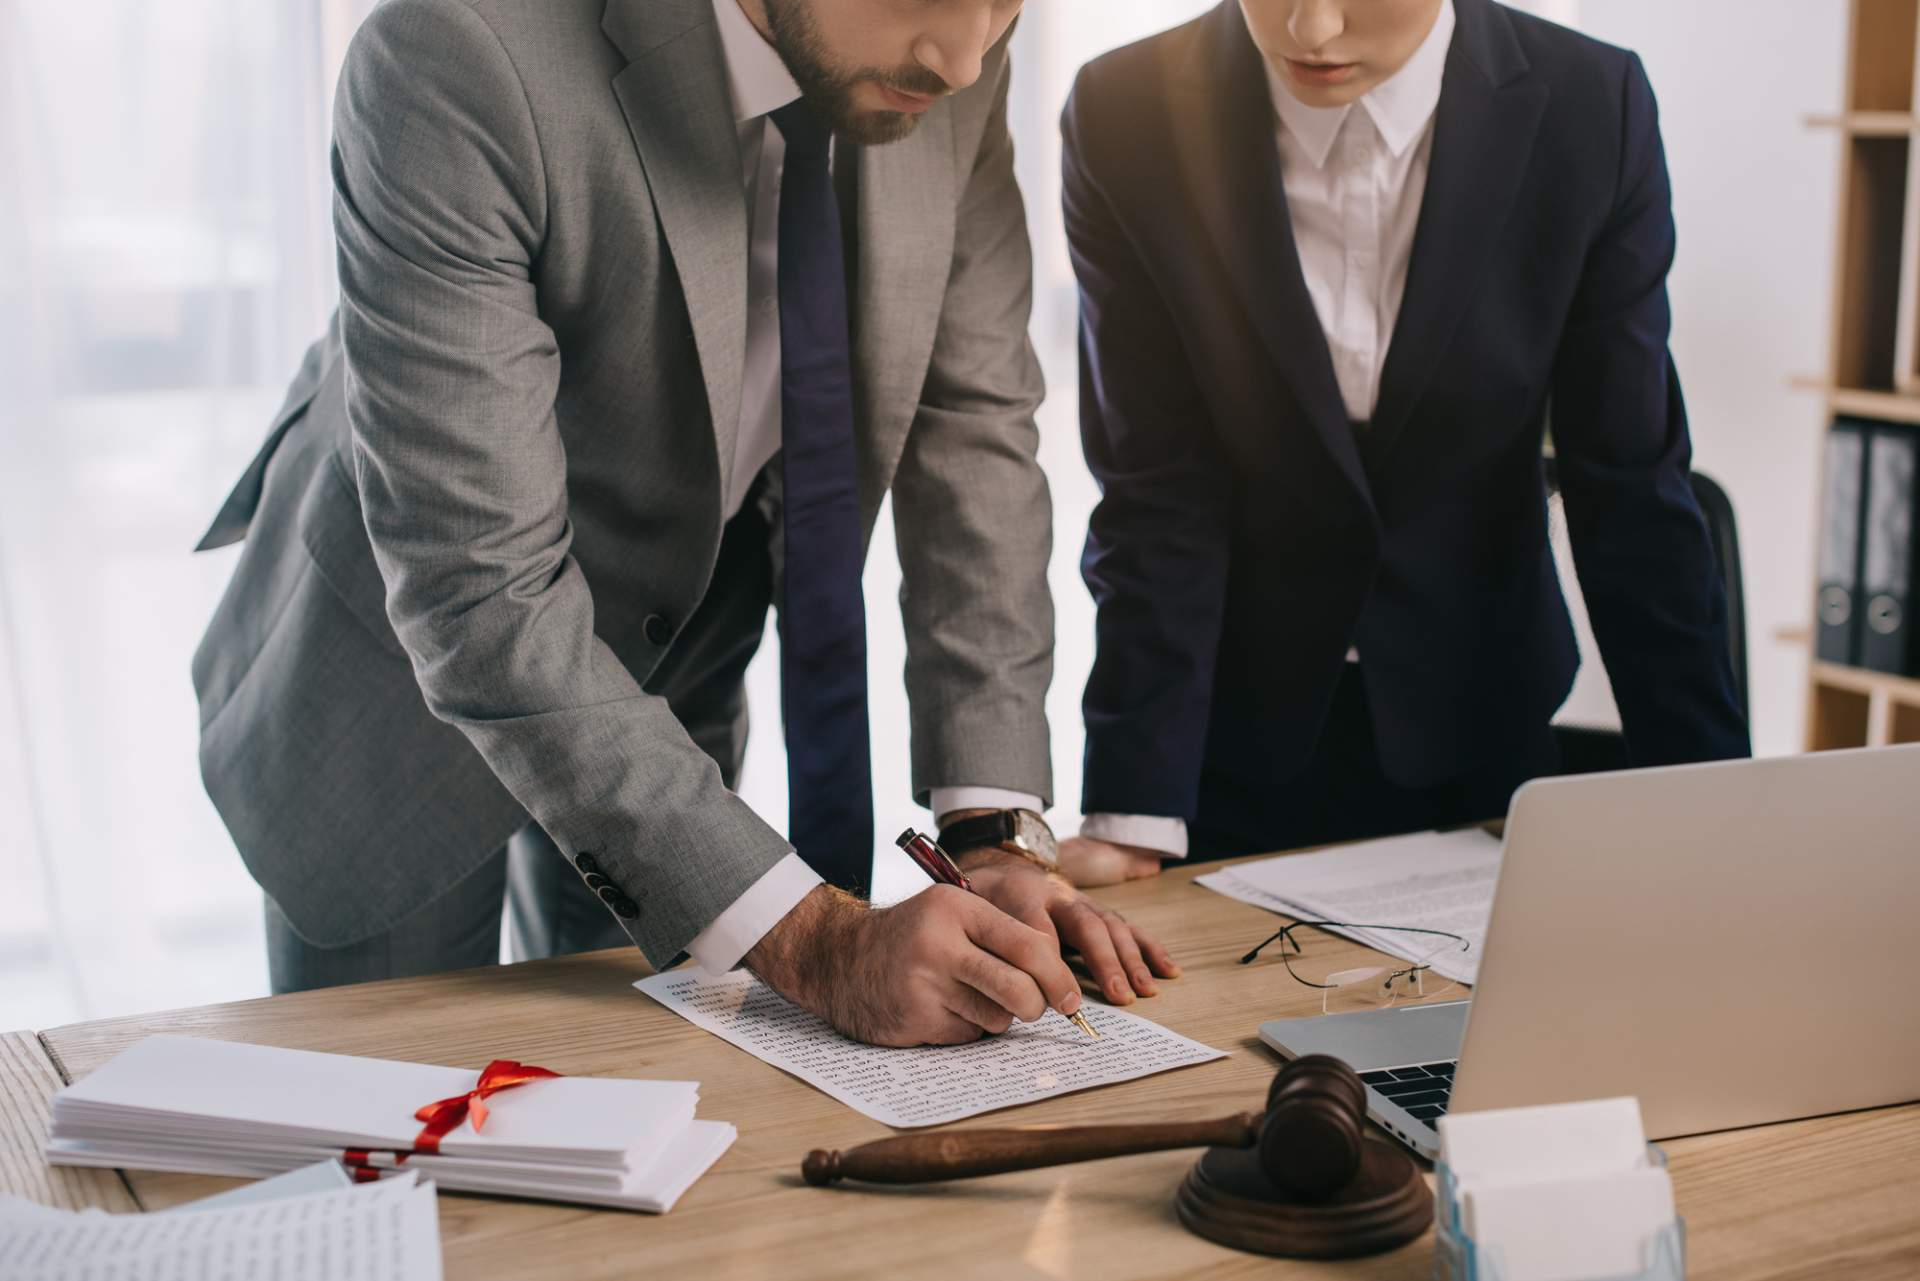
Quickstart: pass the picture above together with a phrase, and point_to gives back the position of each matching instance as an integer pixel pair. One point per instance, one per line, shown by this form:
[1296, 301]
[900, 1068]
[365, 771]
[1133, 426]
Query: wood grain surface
[1835, 1196]
[28, 1080]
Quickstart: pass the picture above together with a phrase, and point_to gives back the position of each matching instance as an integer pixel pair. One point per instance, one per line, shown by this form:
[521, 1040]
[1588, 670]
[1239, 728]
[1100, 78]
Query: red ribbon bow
[443, 1117]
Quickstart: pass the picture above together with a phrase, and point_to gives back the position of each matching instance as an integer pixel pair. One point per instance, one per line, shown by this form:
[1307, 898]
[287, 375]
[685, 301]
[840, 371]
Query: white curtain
[163, 200]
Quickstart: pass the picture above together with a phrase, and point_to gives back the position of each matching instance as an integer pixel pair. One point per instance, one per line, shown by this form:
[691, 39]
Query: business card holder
[1457, 1257]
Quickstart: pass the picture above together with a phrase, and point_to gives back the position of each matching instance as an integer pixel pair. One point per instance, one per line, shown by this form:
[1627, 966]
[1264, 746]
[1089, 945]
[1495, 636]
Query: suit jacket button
[595, 880]
[625, 908]
[658, 630]
[587, 864]
[609, 895]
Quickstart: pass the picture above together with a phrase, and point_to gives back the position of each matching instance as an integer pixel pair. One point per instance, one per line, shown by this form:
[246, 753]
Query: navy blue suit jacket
[1246, 536]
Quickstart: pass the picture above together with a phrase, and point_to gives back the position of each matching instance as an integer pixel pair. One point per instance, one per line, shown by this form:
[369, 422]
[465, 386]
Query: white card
[1551, 1141]
[1571, 1229]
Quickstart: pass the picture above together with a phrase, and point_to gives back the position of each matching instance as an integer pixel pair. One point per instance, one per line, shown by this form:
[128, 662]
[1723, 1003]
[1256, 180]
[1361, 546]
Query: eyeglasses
[1370, 986]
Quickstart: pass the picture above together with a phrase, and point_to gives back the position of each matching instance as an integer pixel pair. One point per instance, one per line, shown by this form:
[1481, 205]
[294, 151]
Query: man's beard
[797, 39]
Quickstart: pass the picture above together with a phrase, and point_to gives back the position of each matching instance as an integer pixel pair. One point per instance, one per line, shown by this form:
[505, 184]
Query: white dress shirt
[1355, 177]
[760, 84]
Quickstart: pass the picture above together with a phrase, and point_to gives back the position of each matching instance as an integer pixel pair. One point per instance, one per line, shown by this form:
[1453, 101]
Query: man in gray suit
[513, 537]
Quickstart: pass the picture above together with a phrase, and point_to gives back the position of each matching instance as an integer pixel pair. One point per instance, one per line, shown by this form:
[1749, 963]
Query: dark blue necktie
[823, 619]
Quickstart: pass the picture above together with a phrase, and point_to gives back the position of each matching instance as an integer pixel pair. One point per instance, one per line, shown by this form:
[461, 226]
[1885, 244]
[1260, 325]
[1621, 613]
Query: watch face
[1031, 833]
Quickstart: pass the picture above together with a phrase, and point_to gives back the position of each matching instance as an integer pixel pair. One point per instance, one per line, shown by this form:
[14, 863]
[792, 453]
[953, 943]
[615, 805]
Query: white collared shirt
[1355, 177]
[759, 83]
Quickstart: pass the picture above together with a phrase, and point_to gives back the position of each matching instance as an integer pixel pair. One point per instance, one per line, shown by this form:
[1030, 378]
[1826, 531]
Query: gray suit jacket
[492, 503]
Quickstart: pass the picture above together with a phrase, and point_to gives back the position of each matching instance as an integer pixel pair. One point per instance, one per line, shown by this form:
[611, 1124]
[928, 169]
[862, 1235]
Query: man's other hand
[1123, 959]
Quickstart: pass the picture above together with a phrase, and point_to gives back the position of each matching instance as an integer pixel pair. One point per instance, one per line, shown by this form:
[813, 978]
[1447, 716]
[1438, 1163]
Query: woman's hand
[1087, 861]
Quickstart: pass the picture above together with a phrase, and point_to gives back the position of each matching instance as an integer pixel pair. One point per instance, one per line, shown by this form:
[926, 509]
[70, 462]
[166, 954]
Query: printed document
[1430, 880]
[925, 1085]
[385, 1231]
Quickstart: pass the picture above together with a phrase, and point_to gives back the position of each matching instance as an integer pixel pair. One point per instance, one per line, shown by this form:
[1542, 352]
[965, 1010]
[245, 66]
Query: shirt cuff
[720, 946]
[946, 800]
[1166, 836]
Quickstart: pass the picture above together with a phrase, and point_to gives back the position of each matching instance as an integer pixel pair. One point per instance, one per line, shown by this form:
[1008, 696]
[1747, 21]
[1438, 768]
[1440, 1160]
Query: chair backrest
[1724, 532]
[1587, 749]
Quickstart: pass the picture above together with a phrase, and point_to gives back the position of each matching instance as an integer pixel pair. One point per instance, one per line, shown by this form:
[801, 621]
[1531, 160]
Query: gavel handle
[966, 1154]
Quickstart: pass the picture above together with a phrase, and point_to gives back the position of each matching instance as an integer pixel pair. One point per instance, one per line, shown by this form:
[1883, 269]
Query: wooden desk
[1809, 1199]
[28, 1080]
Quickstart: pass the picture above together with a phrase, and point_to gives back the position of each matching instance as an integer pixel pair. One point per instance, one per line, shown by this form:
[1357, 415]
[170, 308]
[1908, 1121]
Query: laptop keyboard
[1422, 1091]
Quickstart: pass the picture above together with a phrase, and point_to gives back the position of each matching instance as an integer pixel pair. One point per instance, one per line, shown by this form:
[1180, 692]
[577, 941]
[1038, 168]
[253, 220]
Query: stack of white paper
[385, 1231]
[1430, 880]
[215, 1107]
[1565, 1192]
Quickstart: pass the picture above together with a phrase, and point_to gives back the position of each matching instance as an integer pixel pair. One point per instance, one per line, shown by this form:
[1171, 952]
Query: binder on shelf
[1906, 327]
[1906, 358]
[1887, 553]
[1836, 610]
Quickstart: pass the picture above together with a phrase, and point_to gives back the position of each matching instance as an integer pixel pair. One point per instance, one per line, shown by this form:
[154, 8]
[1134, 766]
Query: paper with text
[1430, 880]
[925, 1085]
[386, 1231]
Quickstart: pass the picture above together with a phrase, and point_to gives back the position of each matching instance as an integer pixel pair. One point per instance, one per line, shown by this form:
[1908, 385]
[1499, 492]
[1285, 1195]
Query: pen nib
[1079, 1020]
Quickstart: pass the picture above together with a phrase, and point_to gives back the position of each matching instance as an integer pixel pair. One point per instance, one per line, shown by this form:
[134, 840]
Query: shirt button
[586, 863]
[625, 908]
[609, 895]
[657, 629]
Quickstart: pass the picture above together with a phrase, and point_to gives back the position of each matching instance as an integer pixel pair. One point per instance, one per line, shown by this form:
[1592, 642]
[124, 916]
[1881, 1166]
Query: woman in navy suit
[1340, 261]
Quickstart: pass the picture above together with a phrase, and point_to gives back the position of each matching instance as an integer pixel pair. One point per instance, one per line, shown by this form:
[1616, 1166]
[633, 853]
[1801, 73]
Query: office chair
[1588, 749]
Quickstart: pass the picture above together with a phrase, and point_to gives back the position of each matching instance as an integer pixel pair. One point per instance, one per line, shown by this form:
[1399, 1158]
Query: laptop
[1734, 943]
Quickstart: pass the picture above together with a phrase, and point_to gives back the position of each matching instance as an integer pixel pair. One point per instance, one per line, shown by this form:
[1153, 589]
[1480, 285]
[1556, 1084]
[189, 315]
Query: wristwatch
[1020, 830]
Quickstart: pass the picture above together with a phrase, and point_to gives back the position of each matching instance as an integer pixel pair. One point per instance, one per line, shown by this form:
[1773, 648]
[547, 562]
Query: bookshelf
[1874, 365]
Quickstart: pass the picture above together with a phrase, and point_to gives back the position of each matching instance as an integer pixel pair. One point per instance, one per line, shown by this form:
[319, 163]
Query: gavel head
[1310, 1139]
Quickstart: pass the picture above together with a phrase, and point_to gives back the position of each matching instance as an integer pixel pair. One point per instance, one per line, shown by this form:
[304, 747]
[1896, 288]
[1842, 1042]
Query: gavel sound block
[1300, 1179]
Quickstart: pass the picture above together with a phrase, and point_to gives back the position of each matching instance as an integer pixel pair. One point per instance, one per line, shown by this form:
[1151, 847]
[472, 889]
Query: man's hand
[942, 968]
[1124, 960]
[1088, 861]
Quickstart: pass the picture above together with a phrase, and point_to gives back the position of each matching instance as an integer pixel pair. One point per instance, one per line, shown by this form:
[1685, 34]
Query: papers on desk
[925, 1085]
[321, 1176]
[384, 1231]
[1430, 880]
[214, 1107]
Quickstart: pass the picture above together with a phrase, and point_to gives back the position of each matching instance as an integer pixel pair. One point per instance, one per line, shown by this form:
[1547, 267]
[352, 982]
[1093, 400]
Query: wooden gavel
[1308, 1139]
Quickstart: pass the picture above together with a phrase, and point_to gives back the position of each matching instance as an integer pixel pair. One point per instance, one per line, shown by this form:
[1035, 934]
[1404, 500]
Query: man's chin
[877, 128]
[861, 120]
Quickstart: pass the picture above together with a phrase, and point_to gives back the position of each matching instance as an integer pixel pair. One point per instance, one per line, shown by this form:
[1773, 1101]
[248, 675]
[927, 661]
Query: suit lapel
[1483, 137]
[905, 227]
[674, 95]
[1232, 173]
